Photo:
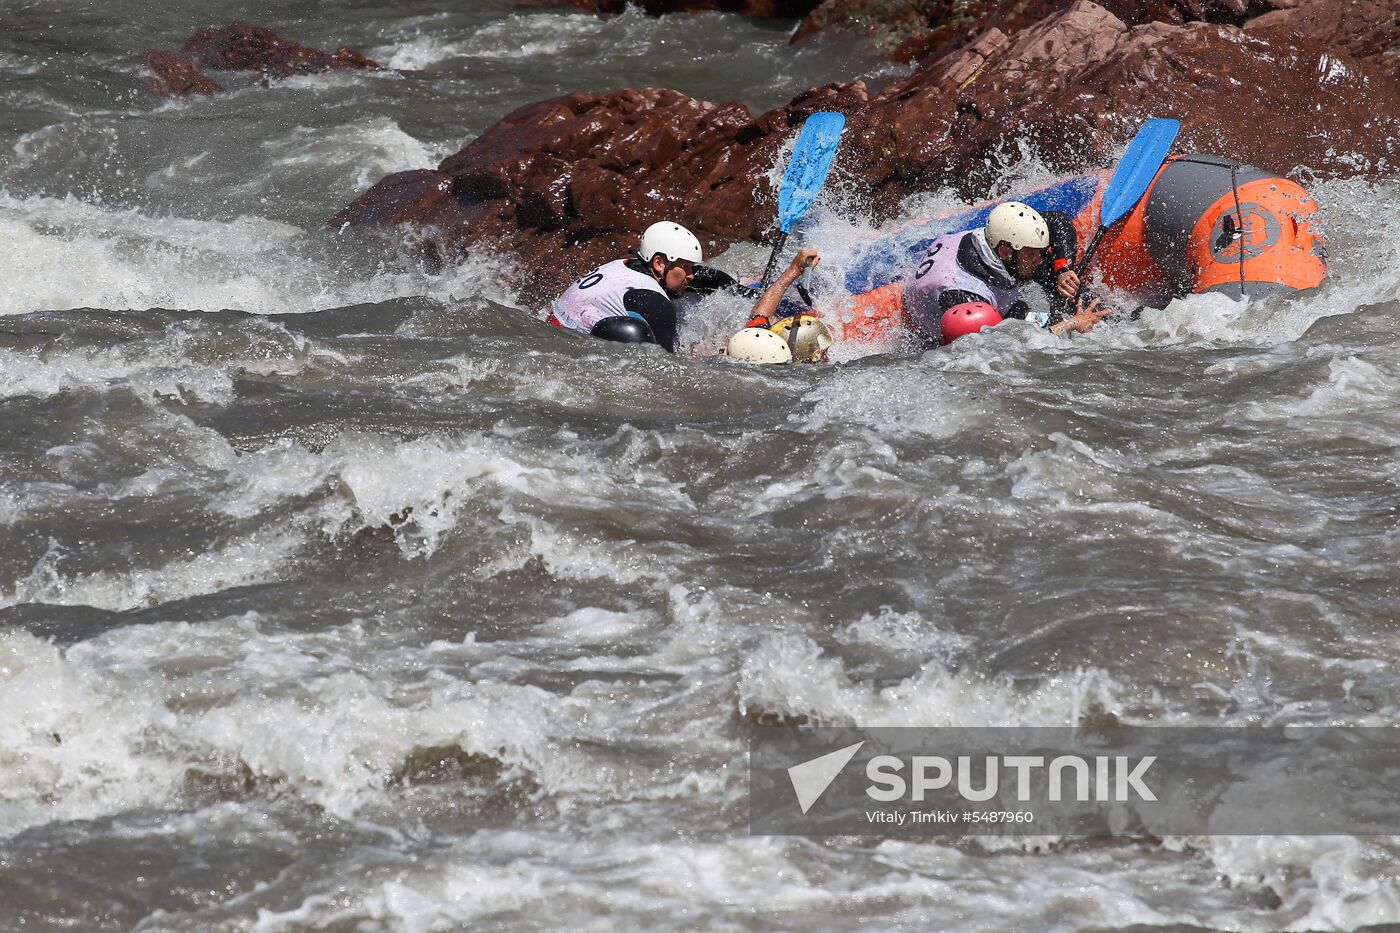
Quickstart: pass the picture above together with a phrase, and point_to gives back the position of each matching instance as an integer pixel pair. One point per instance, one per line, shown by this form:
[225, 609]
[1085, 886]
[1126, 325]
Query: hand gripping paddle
[807, 169]
[1131, 179]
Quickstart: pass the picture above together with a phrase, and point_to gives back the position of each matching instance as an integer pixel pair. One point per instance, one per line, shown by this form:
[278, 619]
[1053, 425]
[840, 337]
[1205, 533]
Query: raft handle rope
[1233, 225]
[1239, 215]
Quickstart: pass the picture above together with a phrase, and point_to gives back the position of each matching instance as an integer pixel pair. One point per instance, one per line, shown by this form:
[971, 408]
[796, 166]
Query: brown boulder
[779, 9]
[241, 46]
[1366, 29]
[1075, 85]
[568, 182]
[912, 30]
[571, 181]
[174, 76]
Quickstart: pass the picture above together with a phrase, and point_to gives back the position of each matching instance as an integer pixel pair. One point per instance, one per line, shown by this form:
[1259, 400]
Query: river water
[338, 596]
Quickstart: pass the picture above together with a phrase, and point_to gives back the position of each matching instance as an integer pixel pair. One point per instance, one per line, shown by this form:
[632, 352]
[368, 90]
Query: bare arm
[768, 302]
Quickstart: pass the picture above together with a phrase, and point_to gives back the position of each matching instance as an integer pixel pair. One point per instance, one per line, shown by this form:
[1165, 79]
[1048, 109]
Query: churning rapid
[338, 595]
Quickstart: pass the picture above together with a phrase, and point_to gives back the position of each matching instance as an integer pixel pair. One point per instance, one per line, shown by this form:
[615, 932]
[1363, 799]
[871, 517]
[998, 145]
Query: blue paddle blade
[1137, 168]
[807, 169]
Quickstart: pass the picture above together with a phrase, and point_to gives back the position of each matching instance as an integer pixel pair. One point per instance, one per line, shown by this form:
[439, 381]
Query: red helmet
[967, 318]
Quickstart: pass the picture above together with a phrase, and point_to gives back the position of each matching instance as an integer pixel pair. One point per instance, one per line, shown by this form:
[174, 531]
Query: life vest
[600, 294]
[939, 270]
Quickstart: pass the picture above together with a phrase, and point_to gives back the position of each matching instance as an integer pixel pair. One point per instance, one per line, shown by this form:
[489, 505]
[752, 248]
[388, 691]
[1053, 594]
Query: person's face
[674, 277]
[1022, 262]
[1028, 259]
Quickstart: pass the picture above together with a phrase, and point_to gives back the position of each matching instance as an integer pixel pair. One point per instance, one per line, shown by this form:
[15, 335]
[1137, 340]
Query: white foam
[48, 374]
[540, 34]
[261, 558]
[417, 53]
[631, 878]
[787, 676]
[68, 253]
[436, 477]
[68, 739]
[906, 632]
[358, 481]
[332, 714]
[911, 398]
[594, 625]
[366, 150]
[1323, 882]
[1353, 385]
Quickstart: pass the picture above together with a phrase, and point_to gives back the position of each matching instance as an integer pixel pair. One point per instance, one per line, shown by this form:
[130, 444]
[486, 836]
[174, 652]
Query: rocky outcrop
[912, 30]
[241, 46]
[567, 183]
[173, 76]
[1366, 29]
[1075, 85]
[780, 9]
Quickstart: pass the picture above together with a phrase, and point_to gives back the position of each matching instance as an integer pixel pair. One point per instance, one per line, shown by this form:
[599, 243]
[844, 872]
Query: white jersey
[939, 271]
[600, 294]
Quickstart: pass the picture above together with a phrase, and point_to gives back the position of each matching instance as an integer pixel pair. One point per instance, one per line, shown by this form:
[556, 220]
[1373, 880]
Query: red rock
[1076, 84]
[421, 196]
[1367, 29]
[912, 30]
[566, 183]
[578, 175]
[177, 77]
[241, 46]
[780, 9]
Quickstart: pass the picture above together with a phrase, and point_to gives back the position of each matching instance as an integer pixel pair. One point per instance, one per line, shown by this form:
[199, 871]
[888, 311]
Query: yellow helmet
[806, 336]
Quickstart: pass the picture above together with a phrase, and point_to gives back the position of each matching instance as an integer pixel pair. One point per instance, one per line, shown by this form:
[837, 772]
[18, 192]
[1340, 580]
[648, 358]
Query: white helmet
[672, 241]
[1018, 224]
[759, 345]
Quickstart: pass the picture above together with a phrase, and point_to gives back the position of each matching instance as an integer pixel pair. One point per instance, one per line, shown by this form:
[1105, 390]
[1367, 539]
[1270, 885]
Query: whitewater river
[337, 596]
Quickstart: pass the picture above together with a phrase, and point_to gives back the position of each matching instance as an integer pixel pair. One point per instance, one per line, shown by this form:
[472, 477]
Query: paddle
[807, 169]
[1130, 180]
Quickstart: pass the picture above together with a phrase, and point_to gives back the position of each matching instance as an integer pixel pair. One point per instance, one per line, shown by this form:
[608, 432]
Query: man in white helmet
[633, 300]
[978, 274]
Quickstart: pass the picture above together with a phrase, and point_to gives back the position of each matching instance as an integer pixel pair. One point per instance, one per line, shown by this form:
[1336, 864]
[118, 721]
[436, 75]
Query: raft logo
[1245, 235]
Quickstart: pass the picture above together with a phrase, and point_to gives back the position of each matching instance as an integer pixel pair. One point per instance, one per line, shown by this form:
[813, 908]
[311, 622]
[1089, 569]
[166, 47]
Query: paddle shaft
[1089, 253]
[772, 262]
[1084, 266]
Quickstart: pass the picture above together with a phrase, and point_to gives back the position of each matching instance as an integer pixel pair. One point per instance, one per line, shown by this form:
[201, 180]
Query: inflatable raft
[1206, 224]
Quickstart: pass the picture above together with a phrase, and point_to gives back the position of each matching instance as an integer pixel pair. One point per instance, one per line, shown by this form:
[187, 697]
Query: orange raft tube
[1206, 224]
